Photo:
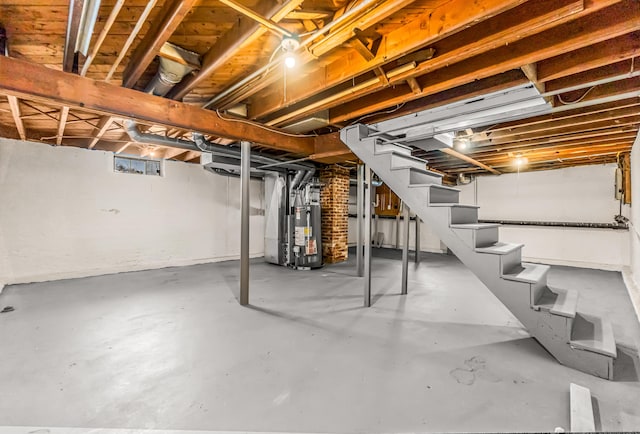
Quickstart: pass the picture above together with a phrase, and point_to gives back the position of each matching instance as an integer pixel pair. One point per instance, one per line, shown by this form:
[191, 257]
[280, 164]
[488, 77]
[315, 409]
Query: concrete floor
[172, 349]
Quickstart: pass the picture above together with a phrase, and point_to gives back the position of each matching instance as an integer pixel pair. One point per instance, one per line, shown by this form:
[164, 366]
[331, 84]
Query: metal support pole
[245, 167]
[367, 236]
[359, 218]
[416, 259]
[405, 249]
[398, 231]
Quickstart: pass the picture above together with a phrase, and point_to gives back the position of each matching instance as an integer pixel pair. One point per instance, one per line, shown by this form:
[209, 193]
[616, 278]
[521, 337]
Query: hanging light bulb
[521, 161]
[289, 45]
[290, 60]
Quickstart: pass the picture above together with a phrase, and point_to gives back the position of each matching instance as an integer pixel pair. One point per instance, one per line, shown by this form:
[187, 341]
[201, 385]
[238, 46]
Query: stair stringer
[552, 331]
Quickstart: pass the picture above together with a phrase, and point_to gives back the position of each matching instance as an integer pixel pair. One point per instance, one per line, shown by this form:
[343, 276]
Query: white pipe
[87, 23]
[103, 34]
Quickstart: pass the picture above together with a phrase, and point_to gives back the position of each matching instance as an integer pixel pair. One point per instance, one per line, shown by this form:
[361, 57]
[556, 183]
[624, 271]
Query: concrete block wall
[334, 199]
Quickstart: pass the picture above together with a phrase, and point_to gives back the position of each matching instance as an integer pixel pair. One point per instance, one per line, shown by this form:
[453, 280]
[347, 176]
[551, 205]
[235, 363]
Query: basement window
[138, 166]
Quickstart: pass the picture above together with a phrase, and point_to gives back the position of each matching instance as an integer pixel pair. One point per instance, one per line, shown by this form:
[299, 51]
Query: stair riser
[478, 237]
[511, 260]
[437, 195]
[461, 215]
[381, 147]
[399, 160]
[422, 178]
[555, 327]
[537, 289]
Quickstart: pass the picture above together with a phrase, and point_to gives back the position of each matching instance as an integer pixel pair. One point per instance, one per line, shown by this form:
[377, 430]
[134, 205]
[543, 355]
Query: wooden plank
[495, 32]
[14, 105]
[626, 175]
[26, 80]
[605, 24]
[581, 409]
[468, 159]
[64, 113]
[594, 56]
[173, 12]
[103, 127]
[132, 36]
[243, 33]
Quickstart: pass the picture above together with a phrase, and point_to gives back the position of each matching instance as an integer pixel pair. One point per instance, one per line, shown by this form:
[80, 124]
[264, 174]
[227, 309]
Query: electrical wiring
[395, 109]
[256, 124]
[577, 100]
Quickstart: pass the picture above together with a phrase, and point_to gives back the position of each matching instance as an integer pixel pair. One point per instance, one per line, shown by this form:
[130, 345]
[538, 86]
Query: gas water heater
[292, 220]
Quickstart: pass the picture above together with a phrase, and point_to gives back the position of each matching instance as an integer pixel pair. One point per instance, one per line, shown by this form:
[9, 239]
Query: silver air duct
[169, 74]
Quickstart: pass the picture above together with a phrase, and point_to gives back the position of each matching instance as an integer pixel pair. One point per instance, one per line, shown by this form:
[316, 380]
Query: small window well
[138, 166]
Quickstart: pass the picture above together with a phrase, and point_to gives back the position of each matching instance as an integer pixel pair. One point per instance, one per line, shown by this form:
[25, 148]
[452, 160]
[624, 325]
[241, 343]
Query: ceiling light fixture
[289, 45]
[521, 161]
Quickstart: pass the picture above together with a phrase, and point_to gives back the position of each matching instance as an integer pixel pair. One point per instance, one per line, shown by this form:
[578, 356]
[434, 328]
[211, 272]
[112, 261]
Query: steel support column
[405, 248]
[367, 236]
[416, 259]
[245, 179]
[359, 220]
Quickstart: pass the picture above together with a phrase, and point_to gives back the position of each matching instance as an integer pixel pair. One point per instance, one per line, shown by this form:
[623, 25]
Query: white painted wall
[632, 278]
[65, 213]
[579, 194]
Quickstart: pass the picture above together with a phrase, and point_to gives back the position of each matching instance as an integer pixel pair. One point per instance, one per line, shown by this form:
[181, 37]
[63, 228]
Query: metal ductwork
[170, 71]
[199, 143]
[169, 74]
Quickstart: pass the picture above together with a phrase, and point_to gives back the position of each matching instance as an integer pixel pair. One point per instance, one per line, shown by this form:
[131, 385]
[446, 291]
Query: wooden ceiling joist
[604, 24]
[173, 12]
[494, 32]
[64, 113]
[27, 80]
[14, 105]
[102, 127]
[591, 57]
[244, 31]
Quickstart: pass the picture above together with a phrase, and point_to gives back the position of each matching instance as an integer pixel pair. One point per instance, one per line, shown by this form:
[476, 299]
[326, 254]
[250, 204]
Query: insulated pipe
[297, 179]
[307, 177]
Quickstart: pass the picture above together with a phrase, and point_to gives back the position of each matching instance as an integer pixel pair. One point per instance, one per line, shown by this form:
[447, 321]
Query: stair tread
[419, 170]
[592, 333]
[558, 301]
[454, 205]
[389, 142]
[475, 226]
[400, 154]
[438, 186]
[527, 272]
[499, 248]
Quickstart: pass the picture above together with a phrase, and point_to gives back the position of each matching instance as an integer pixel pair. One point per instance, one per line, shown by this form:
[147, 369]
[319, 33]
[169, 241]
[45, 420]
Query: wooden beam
[73, 27]
[495, 32]
[14, 105]
[103, 127]
[468, 159]
[173, 12]
[266, 22]
[243, 33]
[594, 56]
[605, 24]
[451, 16]
[64, 113]
[414, 85]
[27, 80]
[343, 33]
